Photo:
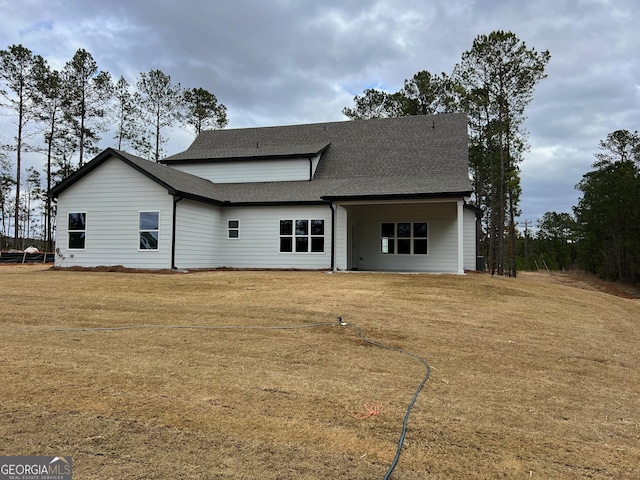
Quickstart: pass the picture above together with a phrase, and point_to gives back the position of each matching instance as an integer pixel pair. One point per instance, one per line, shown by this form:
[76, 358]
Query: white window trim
[140, 230]
[411, 238]
[77, 231]
[309, 236]
[229, 228]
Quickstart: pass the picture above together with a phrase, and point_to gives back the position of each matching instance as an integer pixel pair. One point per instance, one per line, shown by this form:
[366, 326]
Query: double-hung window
[77, 230]
[404, 238]
[302, 236]
[149, 225]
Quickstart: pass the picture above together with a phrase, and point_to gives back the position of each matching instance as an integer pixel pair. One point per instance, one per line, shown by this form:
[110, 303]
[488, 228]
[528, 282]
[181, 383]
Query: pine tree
[495, 81]
[202, 110]
[158, 102]
[19, 70]
[51, 117]
[87, 94]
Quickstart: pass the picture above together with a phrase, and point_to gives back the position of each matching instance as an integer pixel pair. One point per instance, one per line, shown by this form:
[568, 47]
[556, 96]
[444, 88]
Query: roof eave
[258, 156]
[198, 198]
[274, 203]
[398, 196]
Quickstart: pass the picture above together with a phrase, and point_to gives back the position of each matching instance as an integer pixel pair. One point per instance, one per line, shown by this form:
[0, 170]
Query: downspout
[310, 168]
[460, 221]
[333, 235]
[52, 243]
[176, 199]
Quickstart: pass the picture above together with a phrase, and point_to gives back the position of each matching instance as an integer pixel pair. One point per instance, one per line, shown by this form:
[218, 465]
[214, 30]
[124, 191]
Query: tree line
[608, 213]
[602, 233]
[63, 114]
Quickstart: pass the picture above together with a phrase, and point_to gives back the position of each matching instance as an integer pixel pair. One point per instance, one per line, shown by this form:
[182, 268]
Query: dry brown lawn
[535, 377]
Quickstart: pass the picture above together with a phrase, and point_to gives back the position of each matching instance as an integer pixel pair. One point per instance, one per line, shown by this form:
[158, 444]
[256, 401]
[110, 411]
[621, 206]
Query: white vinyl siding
[199, 232]
[250, 171]
[469, 239]
[259, 244]
[343, 240]
[315, 161]
[112, 197]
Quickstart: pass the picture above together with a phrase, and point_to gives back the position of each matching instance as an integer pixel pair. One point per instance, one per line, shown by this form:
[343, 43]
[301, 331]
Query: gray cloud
[287, 61]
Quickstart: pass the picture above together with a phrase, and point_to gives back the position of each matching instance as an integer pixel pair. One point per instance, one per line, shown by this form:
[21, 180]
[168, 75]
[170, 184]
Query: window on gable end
[77, 230]
[148, 229]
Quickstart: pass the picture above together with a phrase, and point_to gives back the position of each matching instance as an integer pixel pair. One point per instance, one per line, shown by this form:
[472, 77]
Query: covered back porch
[430, 235]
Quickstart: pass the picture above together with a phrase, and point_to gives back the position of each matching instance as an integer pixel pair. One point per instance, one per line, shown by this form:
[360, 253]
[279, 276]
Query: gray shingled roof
[416, 156]
[175, 180]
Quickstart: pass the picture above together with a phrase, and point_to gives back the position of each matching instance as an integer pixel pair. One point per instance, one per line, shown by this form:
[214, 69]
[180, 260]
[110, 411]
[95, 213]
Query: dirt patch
[117, 269]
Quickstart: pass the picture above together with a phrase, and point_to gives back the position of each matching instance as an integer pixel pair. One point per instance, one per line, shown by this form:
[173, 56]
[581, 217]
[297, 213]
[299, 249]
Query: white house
[383, 194]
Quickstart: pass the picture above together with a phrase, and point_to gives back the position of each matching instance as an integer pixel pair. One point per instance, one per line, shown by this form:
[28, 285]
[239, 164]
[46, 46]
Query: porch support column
[460, 237]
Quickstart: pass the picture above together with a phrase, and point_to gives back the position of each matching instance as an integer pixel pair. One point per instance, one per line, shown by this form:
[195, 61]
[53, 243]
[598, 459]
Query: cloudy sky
[277, 62]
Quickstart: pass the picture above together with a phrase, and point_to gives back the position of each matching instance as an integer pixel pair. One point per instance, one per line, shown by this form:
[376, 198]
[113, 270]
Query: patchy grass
[535, 377]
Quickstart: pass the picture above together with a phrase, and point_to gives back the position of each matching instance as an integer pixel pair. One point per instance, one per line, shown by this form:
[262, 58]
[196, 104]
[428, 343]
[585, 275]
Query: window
[404, 238]
[148, 228]
[77, 230]
[233, 229]
[302, 236]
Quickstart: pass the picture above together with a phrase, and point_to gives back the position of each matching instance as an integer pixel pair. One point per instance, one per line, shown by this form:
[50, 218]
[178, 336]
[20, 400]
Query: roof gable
[175, 181]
